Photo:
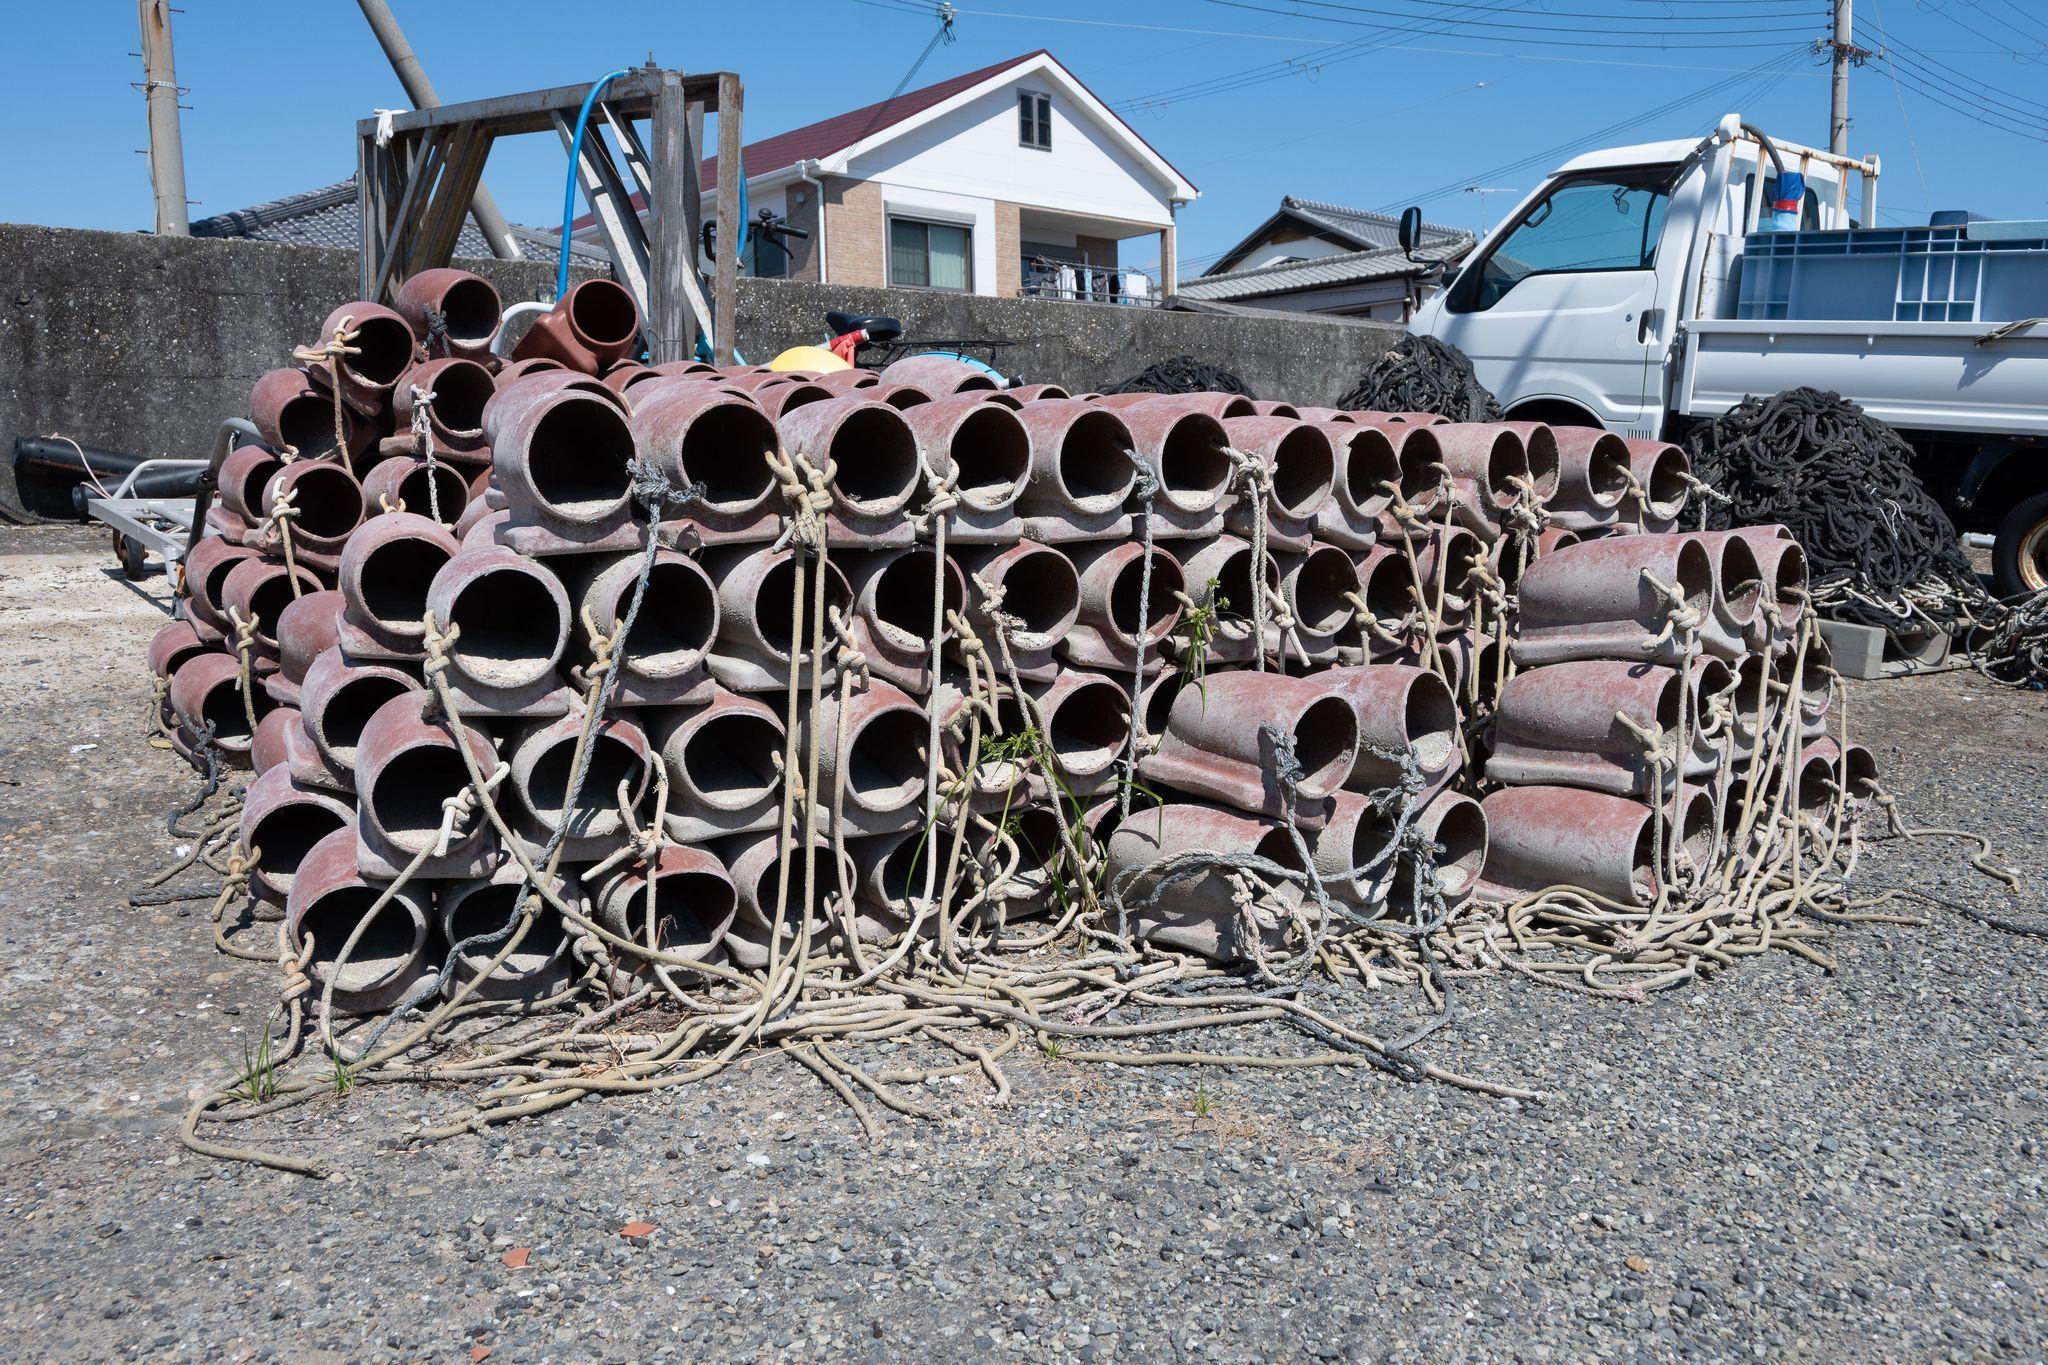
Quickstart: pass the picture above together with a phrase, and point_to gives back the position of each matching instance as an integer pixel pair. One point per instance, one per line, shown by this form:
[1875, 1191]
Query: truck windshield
[1599, 221]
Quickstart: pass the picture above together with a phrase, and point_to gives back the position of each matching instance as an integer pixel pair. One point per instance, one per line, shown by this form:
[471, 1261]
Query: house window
[930, 255]
[1034, 120]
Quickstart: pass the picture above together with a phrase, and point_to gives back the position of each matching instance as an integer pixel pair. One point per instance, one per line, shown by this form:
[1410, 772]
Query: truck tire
[2019, 554]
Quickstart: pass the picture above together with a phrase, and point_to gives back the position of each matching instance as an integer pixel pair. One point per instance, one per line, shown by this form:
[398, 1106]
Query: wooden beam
[441, 224]
[421, 163]
[533, 111]
[725, 287]
[675, 256]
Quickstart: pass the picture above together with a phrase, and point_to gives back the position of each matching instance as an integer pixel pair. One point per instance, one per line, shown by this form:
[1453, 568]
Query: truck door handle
[1652, 319]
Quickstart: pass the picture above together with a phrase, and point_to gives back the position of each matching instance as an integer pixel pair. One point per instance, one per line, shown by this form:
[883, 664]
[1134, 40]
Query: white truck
[1631, 291]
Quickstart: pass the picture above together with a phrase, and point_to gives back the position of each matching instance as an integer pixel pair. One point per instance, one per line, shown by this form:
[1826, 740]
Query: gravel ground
[1777, 1163]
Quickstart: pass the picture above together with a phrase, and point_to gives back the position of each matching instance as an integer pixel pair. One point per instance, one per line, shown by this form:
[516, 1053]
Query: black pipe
[46, 470]
[154, 483]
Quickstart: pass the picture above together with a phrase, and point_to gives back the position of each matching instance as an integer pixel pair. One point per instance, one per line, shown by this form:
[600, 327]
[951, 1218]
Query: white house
[1014, 179]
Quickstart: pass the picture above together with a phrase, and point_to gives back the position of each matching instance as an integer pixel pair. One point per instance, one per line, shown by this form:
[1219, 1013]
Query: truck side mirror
[1411, 230]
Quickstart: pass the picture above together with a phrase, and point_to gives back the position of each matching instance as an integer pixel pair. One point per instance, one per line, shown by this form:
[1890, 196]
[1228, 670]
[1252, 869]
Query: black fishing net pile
[1181, 374]
[1422, 374]
[1879, 550]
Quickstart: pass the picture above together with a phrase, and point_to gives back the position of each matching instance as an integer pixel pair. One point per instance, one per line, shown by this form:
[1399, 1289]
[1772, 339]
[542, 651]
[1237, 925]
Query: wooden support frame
[415, 180]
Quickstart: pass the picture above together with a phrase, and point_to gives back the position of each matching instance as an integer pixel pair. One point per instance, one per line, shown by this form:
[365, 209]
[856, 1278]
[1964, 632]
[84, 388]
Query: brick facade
[1009, 252]
[856, 237]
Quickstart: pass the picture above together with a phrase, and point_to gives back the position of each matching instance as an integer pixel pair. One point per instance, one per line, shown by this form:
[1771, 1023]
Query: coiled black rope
[1182, 374]
[1422, 374]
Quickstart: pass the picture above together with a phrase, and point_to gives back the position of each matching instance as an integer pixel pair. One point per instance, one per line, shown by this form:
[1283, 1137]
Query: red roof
[815, 141]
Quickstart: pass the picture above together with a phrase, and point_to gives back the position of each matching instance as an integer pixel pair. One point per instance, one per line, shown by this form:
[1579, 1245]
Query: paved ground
[1779, 1163]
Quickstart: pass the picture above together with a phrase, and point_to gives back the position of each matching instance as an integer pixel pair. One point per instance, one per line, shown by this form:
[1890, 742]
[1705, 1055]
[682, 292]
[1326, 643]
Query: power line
[1655, 32]
[1550, 154]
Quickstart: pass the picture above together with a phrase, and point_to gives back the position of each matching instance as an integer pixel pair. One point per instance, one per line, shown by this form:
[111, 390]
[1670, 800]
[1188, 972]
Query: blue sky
[1368, 103]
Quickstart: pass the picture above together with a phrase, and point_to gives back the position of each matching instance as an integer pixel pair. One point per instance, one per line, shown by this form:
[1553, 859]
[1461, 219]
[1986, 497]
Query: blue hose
[569, 190]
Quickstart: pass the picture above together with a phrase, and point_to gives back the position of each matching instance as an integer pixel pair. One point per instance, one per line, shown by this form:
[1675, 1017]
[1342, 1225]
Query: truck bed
[1919, 376]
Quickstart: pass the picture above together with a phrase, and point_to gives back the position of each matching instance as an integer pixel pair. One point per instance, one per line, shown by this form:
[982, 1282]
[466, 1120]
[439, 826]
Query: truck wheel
[2019, 555]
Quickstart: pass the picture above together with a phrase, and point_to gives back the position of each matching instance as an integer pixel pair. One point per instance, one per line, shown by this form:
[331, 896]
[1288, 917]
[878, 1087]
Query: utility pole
[160, 90]
[420, 91]
[1844, 52]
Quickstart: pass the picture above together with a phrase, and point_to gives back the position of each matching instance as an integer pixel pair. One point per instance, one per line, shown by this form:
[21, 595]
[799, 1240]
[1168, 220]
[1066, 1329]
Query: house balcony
[1077, 259]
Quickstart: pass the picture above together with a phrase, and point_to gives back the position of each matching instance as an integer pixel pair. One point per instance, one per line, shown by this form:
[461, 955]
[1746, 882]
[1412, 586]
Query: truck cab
[1613, 295]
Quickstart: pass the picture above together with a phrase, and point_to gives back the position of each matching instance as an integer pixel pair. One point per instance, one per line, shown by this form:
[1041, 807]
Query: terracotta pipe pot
[1660, 468]
[562, 459]
[982, 447]
[305, 629]
[1538, 837]
[878, 745]
[1592, 483]
[1316, 587]
[541, 756]
[1561, 725]
[874, 449]
[328, 499]
[1034, 393]
[407, 768]
[1214, 744]
[485, 906]
[328, 900]
[467, 306]
[1302, 462]
[512, 622]
[337, 701]
[937, 374]
[1217, 405]
[1366, 462]
[410, 484]
[849, 379]
[1197, 914]
[662, 661]
[282, 821]
[1080, 472]
[892, 599]
[461, 390]
[1781, 573]
[1112, 616]
[754, 864]
[780, 398]
[244, 474]
[591, 326]
[722, 762]
[1593, 601]
[1226, 562]
[174, 643]
[696, 434]
[515, 388]
[622, 375]
[1484, 460]
[1186, 453]
[756, 585]
[293, 413]
[1821, 773]
[1319, 414]
[1087, 720]
[280, 742]
[205, 571]
[206, 690]
[385, 349]
[1269, 407]
[386, 569]
[903, 397]
[694, 904]
[1040, 588]
[1400, 708]
[258, 590]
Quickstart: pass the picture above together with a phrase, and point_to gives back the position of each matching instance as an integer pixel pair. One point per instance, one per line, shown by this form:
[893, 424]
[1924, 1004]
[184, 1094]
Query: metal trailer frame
[417, 171]
[169, 526]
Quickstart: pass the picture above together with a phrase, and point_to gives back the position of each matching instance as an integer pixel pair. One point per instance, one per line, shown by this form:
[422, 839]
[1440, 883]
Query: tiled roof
[328, 217]
[1322, 272]
[1362, 226]
[322, 217]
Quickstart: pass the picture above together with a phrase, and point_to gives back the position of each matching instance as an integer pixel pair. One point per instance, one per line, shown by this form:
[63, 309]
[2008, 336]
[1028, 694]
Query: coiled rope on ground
[1422, 374]
[1181, 374]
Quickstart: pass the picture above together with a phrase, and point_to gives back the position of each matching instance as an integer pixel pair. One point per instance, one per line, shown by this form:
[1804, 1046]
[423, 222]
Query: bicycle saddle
[879, 328]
